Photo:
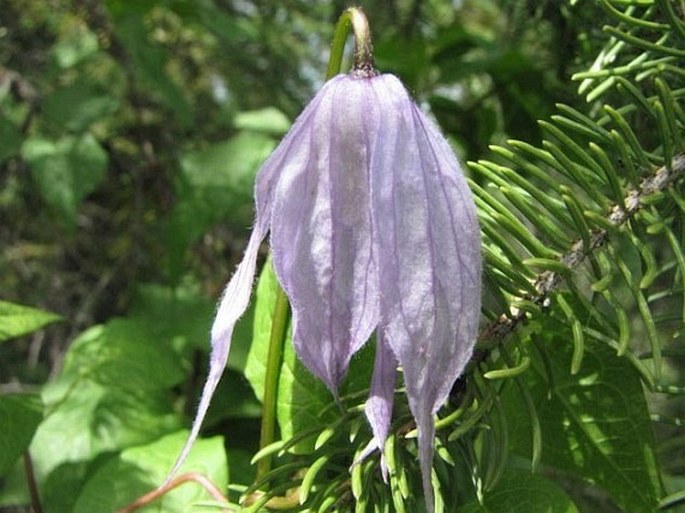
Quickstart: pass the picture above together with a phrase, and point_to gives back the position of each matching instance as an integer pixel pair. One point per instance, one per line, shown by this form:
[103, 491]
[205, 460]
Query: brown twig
[163, 490]
[31, 482]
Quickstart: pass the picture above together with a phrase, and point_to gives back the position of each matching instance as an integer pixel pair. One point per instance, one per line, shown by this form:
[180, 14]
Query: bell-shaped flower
[373, 227]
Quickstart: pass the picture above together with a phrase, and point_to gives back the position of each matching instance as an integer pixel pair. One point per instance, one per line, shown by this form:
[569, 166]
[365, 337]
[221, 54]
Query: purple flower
[372, 228]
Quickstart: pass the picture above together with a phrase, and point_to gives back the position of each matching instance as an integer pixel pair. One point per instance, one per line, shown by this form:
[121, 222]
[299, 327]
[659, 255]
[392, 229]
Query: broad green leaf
[216, 183]
[17, 320]
[183, 317]
[595, 424]
[519, 491]
[139, 470]
[125, 353]
[66, 171]
[85, 419]
[223, 174]
[112, 393]
[78, 105]
[61, 488]
[269, 120]
[20, 415]
[301, 396]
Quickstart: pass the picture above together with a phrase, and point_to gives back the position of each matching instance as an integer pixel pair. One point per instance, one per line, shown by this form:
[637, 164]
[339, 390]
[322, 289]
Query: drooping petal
[236, 295]
[378, 407]
[429, 257]
[321, 233]
[232, 305]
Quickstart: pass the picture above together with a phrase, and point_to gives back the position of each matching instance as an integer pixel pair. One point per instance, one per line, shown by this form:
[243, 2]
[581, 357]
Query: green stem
[363, 66]
[363, 50]
[279, 328]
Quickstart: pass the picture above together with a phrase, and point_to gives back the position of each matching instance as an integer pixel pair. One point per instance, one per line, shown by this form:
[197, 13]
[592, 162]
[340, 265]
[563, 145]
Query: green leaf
[79, 44]
[88, 419]
[125, 353]
[78, 105]
[269, 121]
[224, 173]
[13, 490]
[140, 470]
[20, 415]
[17, 320]
[62, 487]
[595, 424]
[10, 139]
[519, 491]
[215, 183]
[301, 398]
[66, 171]
[112, 393]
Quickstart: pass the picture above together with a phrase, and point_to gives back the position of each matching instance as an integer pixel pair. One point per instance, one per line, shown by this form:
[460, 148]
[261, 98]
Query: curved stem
[188, 477]
[363, 49]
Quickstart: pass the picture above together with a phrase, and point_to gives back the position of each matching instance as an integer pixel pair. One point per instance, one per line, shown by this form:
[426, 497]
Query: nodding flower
[372, 228]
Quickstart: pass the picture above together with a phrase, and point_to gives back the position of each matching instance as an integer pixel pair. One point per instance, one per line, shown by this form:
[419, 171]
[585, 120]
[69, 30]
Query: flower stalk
[277, 337]
[352, 17]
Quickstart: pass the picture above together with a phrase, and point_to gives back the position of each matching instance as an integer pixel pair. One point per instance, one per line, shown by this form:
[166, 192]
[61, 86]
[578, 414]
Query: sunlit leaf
[79, 44]
[139, 470]
[124, 353]
[112, 393]
[17, 320]
[268, 120]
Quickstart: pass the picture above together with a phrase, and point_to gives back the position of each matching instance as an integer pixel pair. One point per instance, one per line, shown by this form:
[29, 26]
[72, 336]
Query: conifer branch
[547, 282]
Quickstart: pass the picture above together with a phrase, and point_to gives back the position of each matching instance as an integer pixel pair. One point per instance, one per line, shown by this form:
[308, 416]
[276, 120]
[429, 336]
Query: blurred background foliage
[130, 135]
